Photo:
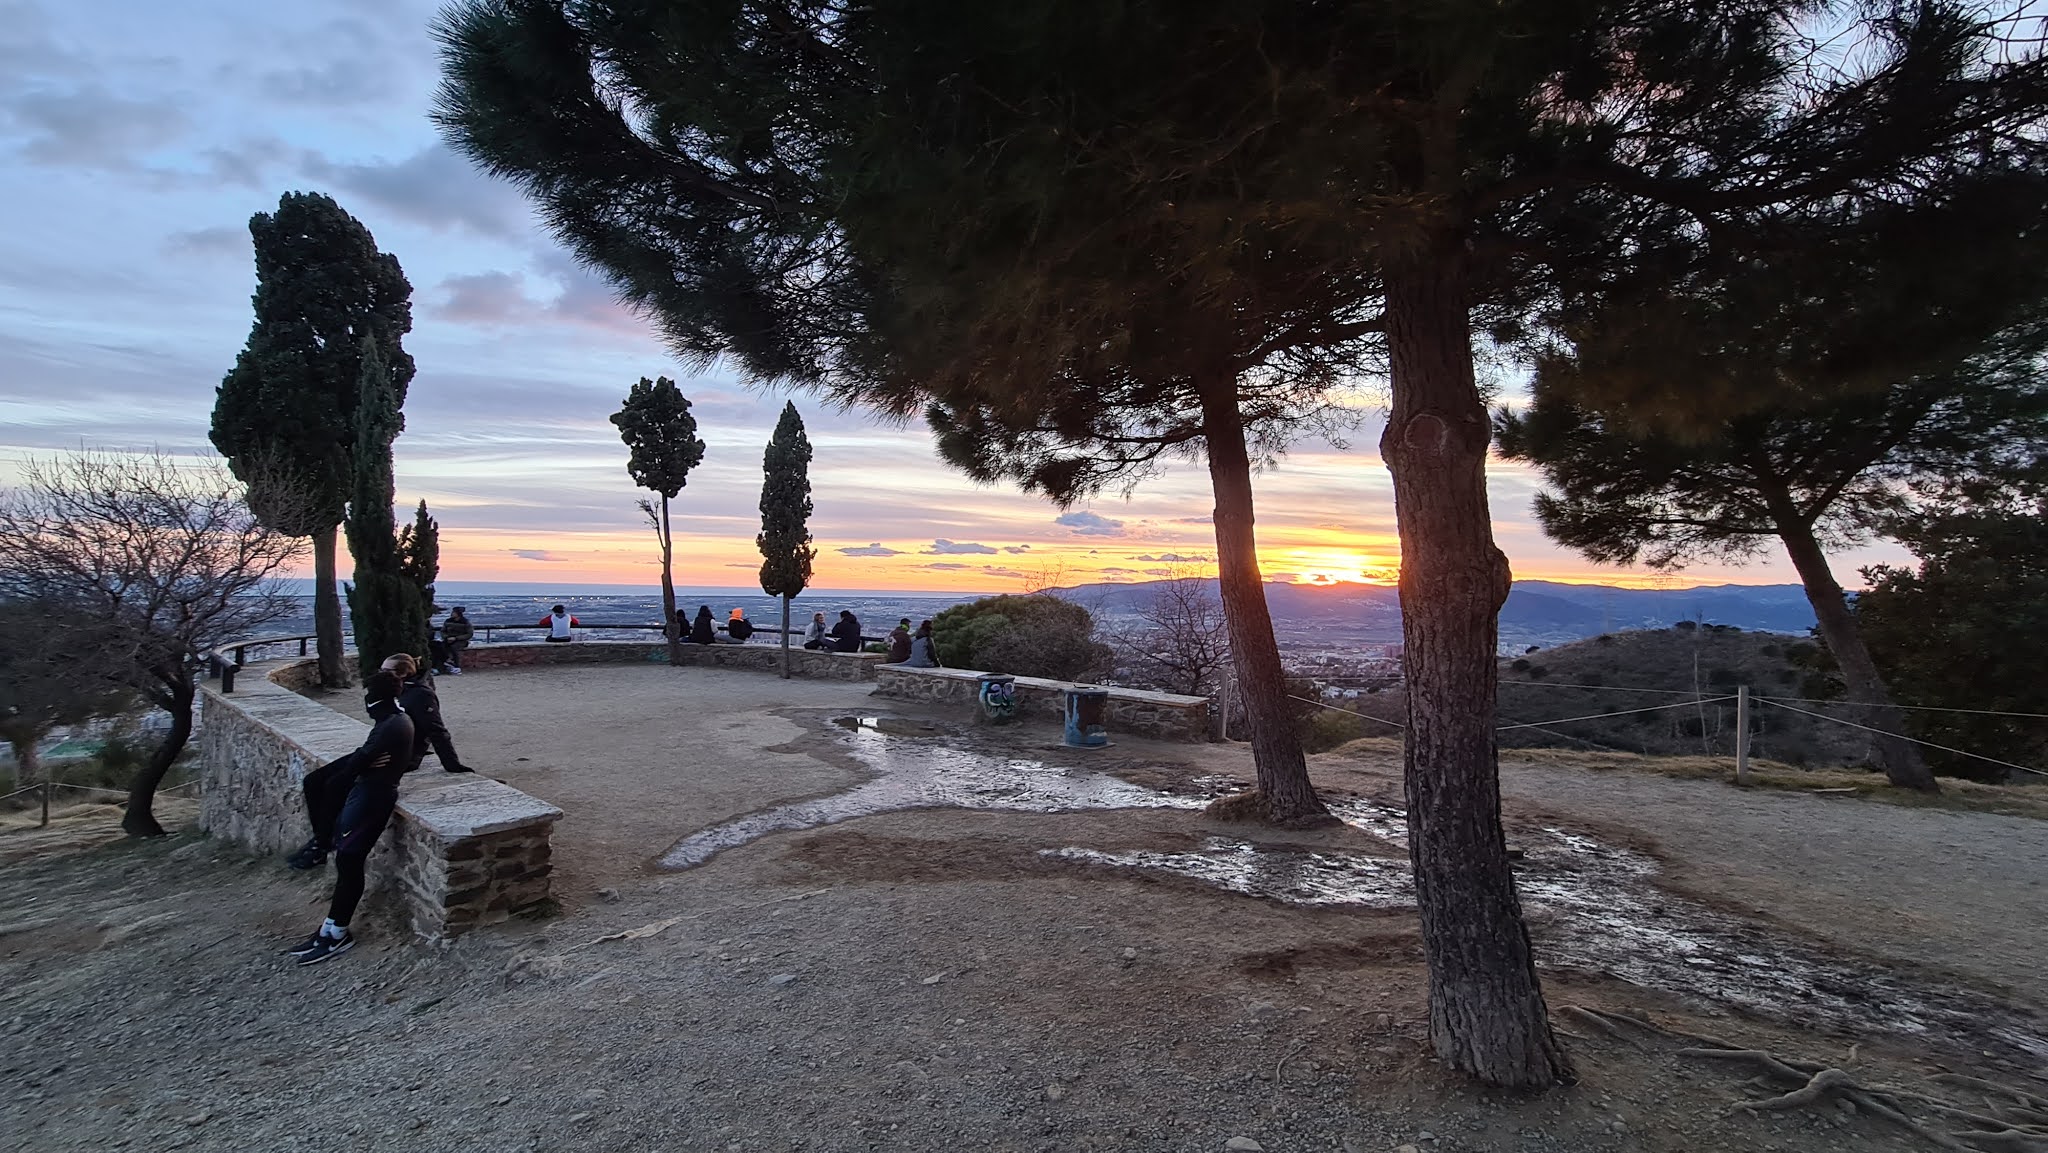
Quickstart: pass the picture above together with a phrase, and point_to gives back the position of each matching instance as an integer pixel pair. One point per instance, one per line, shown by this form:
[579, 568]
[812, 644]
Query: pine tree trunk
[327, 612]
[1900, 759]
[785, 636]
[1486, 1011]
[140, 820]
[1284, 795]
[671, 628]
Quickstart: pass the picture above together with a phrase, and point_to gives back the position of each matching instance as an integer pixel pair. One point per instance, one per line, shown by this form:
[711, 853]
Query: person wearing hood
[846, 634]
[899, 643]
[738, 627]
[349, 806]
[703, 630]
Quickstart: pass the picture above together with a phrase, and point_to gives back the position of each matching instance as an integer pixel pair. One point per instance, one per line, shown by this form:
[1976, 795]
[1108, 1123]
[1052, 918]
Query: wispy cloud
[535, 554]
[1174, 558]
[944, 547]
[875, 549]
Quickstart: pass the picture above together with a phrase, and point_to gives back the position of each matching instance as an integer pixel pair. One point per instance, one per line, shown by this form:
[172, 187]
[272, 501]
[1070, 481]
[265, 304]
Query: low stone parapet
[807, 663]
[1163, 716]
[462, 850]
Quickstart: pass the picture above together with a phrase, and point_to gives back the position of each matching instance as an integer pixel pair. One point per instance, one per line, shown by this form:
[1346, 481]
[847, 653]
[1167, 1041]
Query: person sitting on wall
[738, 627]
[846, 633]
[422, 702]
[924, 649]
[814, 636]
[899, 643]
[349, 807]
[703, 631]
[558, 623]
[437, 652]
[458, 632]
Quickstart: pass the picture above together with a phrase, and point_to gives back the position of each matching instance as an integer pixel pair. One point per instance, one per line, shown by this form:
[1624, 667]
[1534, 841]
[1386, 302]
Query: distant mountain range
[1537, 612]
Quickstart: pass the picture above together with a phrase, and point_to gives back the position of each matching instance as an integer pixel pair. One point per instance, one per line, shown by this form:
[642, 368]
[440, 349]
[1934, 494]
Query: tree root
[2013, 1126]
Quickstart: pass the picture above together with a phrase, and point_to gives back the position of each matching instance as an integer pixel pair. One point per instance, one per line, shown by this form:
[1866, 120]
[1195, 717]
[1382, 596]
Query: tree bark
[28, 766]
[1486, 1011]
[1284, 795]
[1900, 759]
[785, 636]
[140, 820]
[327, 612]
[671, 628]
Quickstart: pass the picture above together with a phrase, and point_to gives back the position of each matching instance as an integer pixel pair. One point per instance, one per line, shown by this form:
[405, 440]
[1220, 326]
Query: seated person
[924, 649]
[814, 636]
[738, 627]
[702, 630]
[899, 643]
[846, 633]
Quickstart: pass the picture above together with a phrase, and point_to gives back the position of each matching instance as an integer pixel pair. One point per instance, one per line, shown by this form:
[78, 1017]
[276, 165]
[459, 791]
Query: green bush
[1027, 636]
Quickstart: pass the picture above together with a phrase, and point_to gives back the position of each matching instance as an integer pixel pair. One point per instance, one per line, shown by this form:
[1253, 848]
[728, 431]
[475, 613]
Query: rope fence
[1694, 699]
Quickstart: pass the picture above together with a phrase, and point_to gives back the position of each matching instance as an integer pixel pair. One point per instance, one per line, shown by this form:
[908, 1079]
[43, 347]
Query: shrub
[1028, 636]
[1685, 626]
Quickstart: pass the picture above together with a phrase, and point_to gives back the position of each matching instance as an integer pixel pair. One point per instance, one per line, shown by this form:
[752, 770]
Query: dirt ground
[934, 978]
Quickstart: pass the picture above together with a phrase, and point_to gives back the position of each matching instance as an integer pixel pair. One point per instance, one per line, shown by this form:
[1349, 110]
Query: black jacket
[390, 737]
[846, 635]
[423, 705]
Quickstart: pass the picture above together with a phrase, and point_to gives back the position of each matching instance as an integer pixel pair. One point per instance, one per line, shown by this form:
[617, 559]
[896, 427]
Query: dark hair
[459, 609]
[559, 609]
[382, 685]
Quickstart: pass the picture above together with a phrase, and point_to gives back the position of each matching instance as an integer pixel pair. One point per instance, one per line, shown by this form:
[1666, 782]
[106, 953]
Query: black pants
[348, 813]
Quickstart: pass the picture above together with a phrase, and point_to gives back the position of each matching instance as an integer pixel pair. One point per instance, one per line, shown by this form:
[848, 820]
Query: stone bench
[462, 850]
[810, 664]
[1163, 716]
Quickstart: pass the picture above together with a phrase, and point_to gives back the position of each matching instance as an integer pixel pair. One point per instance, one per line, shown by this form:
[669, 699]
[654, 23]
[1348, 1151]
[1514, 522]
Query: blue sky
[138, 138]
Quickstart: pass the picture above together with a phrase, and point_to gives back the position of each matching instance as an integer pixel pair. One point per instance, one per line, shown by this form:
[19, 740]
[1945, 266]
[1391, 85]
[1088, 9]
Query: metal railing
[227, 659]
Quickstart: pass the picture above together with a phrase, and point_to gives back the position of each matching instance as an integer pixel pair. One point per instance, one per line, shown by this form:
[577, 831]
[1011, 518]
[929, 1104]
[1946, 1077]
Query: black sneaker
[325, 947]
[459, 769]
[310, 856]
[306, 946]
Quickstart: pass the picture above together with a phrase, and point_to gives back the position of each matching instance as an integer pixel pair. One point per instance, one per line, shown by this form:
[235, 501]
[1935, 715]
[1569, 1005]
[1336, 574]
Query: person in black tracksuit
[350, 805]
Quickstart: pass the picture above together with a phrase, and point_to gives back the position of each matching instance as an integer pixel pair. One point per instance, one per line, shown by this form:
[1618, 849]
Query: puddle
[1594, 906]
[925, 774]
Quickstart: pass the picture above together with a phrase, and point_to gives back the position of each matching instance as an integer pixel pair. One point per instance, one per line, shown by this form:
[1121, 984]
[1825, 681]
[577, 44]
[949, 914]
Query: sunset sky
[139, 136]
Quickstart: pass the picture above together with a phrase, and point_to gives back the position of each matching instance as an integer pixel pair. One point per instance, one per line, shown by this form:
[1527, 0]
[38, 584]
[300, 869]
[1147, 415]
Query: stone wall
[806, 663]
[1163, 716]
[461, 851]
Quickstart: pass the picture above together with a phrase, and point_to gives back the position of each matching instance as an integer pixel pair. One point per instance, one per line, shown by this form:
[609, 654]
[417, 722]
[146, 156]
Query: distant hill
[1537, 612]
[1596, 676]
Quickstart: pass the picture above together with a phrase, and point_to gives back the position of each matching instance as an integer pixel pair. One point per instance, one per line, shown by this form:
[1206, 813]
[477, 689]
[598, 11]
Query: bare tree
[1180, 642]
[44, 684]
[161, 561]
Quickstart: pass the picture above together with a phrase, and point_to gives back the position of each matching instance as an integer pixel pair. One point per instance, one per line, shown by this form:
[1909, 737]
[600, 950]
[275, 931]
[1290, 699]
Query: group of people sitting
[704, 631]
[915, 649]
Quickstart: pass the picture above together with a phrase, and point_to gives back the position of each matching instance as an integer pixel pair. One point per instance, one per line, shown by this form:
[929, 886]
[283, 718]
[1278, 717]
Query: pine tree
[419, 551]
[661, 436]
[785, 540]
[385, 602]
[284, 416]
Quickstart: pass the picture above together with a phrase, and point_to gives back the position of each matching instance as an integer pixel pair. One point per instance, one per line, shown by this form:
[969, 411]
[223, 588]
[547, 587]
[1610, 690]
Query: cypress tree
[661, 437]
[419, 551]
[385, 602]
[284, 415]
[785, 540]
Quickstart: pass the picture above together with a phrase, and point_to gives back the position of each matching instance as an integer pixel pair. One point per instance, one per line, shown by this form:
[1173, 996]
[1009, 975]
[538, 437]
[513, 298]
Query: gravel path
[913, 980]
[1966, 892]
